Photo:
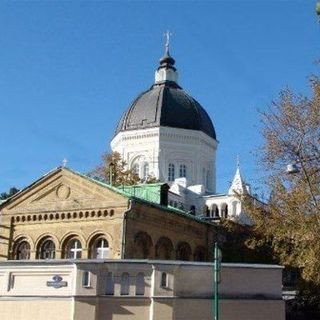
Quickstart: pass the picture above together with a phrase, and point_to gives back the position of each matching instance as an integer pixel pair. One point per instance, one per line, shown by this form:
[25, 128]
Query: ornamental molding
[63, 216]
[171, 133]
[63, 192]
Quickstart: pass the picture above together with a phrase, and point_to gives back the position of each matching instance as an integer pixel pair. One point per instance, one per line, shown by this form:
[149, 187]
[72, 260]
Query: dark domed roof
[165, 104]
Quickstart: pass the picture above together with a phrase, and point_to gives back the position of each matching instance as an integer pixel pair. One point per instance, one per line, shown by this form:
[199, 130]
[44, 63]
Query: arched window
[214, 212]
[224, 210]
[47, 249]
[73, 249]
[200, 254]
[125, 284]
[171, 172]
[135, 168]
[100, 249]
[206, 211]
[164, 249]
[142, 246]
[22, 250]
[140, 287]
[184, 251]
[183, 171]
[146, 171]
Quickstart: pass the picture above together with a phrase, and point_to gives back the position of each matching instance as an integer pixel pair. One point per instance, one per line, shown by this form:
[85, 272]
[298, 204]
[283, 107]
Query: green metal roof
[149, 192]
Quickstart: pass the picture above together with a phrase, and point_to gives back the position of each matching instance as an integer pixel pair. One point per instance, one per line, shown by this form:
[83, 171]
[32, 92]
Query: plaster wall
[164, 145]
[37, 309]
[248, 292]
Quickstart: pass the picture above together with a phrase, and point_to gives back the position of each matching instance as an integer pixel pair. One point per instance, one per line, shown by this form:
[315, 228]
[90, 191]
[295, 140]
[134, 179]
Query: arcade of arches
[143, 248]
[164, 249]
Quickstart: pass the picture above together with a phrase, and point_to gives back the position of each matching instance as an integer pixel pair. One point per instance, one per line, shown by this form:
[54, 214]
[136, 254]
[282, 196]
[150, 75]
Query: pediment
[63, 190]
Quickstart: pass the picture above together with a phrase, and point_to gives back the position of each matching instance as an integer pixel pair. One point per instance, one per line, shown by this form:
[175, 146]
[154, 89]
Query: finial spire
[238, 185]
[64, 162]
[167, 34]
[166, 72]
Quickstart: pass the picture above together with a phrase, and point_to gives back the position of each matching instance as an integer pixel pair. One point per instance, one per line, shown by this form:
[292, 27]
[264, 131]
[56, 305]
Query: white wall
[162, 146]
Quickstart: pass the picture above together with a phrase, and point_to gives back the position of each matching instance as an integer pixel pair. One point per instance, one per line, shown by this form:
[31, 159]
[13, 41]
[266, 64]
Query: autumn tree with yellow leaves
[290, 156]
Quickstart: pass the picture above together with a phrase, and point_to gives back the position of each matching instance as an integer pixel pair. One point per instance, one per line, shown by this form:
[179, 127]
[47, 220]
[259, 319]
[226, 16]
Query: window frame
[42, 251]
[183, 171]
[86, 279]
[68, 249]
[164, 280]
[96, 250]
[171, 172]
[20, 242]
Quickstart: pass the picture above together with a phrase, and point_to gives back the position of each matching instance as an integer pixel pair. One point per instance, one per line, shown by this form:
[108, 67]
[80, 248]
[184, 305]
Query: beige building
[68, 215]
[137, 289]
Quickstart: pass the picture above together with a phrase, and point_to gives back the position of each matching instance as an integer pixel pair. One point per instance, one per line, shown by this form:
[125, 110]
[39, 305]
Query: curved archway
[142, 245]
[200, 254]
[206, 211]
[96, 234]
[40, 239]
[224, 210]
[21, 249]
[183, 251]
[27, 237]
[214, 211]
[99, 247]
[72, 248]
[164, 249]
[69, 235]
[46, 248]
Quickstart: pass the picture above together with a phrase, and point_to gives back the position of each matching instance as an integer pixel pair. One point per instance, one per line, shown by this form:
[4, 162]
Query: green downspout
[216, 280]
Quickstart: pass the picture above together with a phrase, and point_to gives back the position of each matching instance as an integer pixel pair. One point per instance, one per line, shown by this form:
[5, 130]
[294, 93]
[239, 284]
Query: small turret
[238, 185]
[166, 71]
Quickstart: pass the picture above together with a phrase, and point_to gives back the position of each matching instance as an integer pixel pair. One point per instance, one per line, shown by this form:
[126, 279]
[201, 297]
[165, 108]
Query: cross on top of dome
[167, 34]
[167, 61]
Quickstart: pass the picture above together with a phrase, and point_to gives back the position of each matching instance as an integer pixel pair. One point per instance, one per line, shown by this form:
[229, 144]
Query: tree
[121, 175]
[291, 220]
[10, 193]
[112, 163]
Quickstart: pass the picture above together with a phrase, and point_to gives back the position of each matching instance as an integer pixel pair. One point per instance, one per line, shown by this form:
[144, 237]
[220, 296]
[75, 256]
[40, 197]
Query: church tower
[167, 134]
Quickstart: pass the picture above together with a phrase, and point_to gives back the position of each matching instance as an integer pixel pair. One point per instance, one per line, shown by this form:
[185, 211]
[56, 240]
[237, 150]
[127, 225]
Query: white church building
[167, 134]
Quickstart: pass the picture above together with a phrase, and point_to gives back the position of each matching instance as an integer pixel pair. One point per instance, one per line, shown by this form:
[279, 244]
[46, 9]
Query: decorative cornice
[63, 216]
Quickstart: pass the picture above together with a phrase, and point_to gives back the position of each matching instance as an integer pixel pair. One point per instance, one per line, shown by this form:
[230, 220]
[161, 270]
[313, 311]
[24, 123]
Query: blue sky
[69, 69]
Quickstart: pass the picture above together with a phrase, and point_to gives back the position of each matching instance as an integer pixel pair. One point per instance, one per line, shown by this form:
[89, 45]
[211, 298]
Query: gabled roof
[130, 192]
[24, 190]
[238, 185]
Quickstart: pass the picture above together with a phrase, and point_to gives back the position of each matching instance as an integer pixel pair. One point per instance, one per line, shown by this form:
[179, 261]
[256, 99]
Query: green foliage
[10, 193]
[113, 166]
[245, 245]
[291, 219]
